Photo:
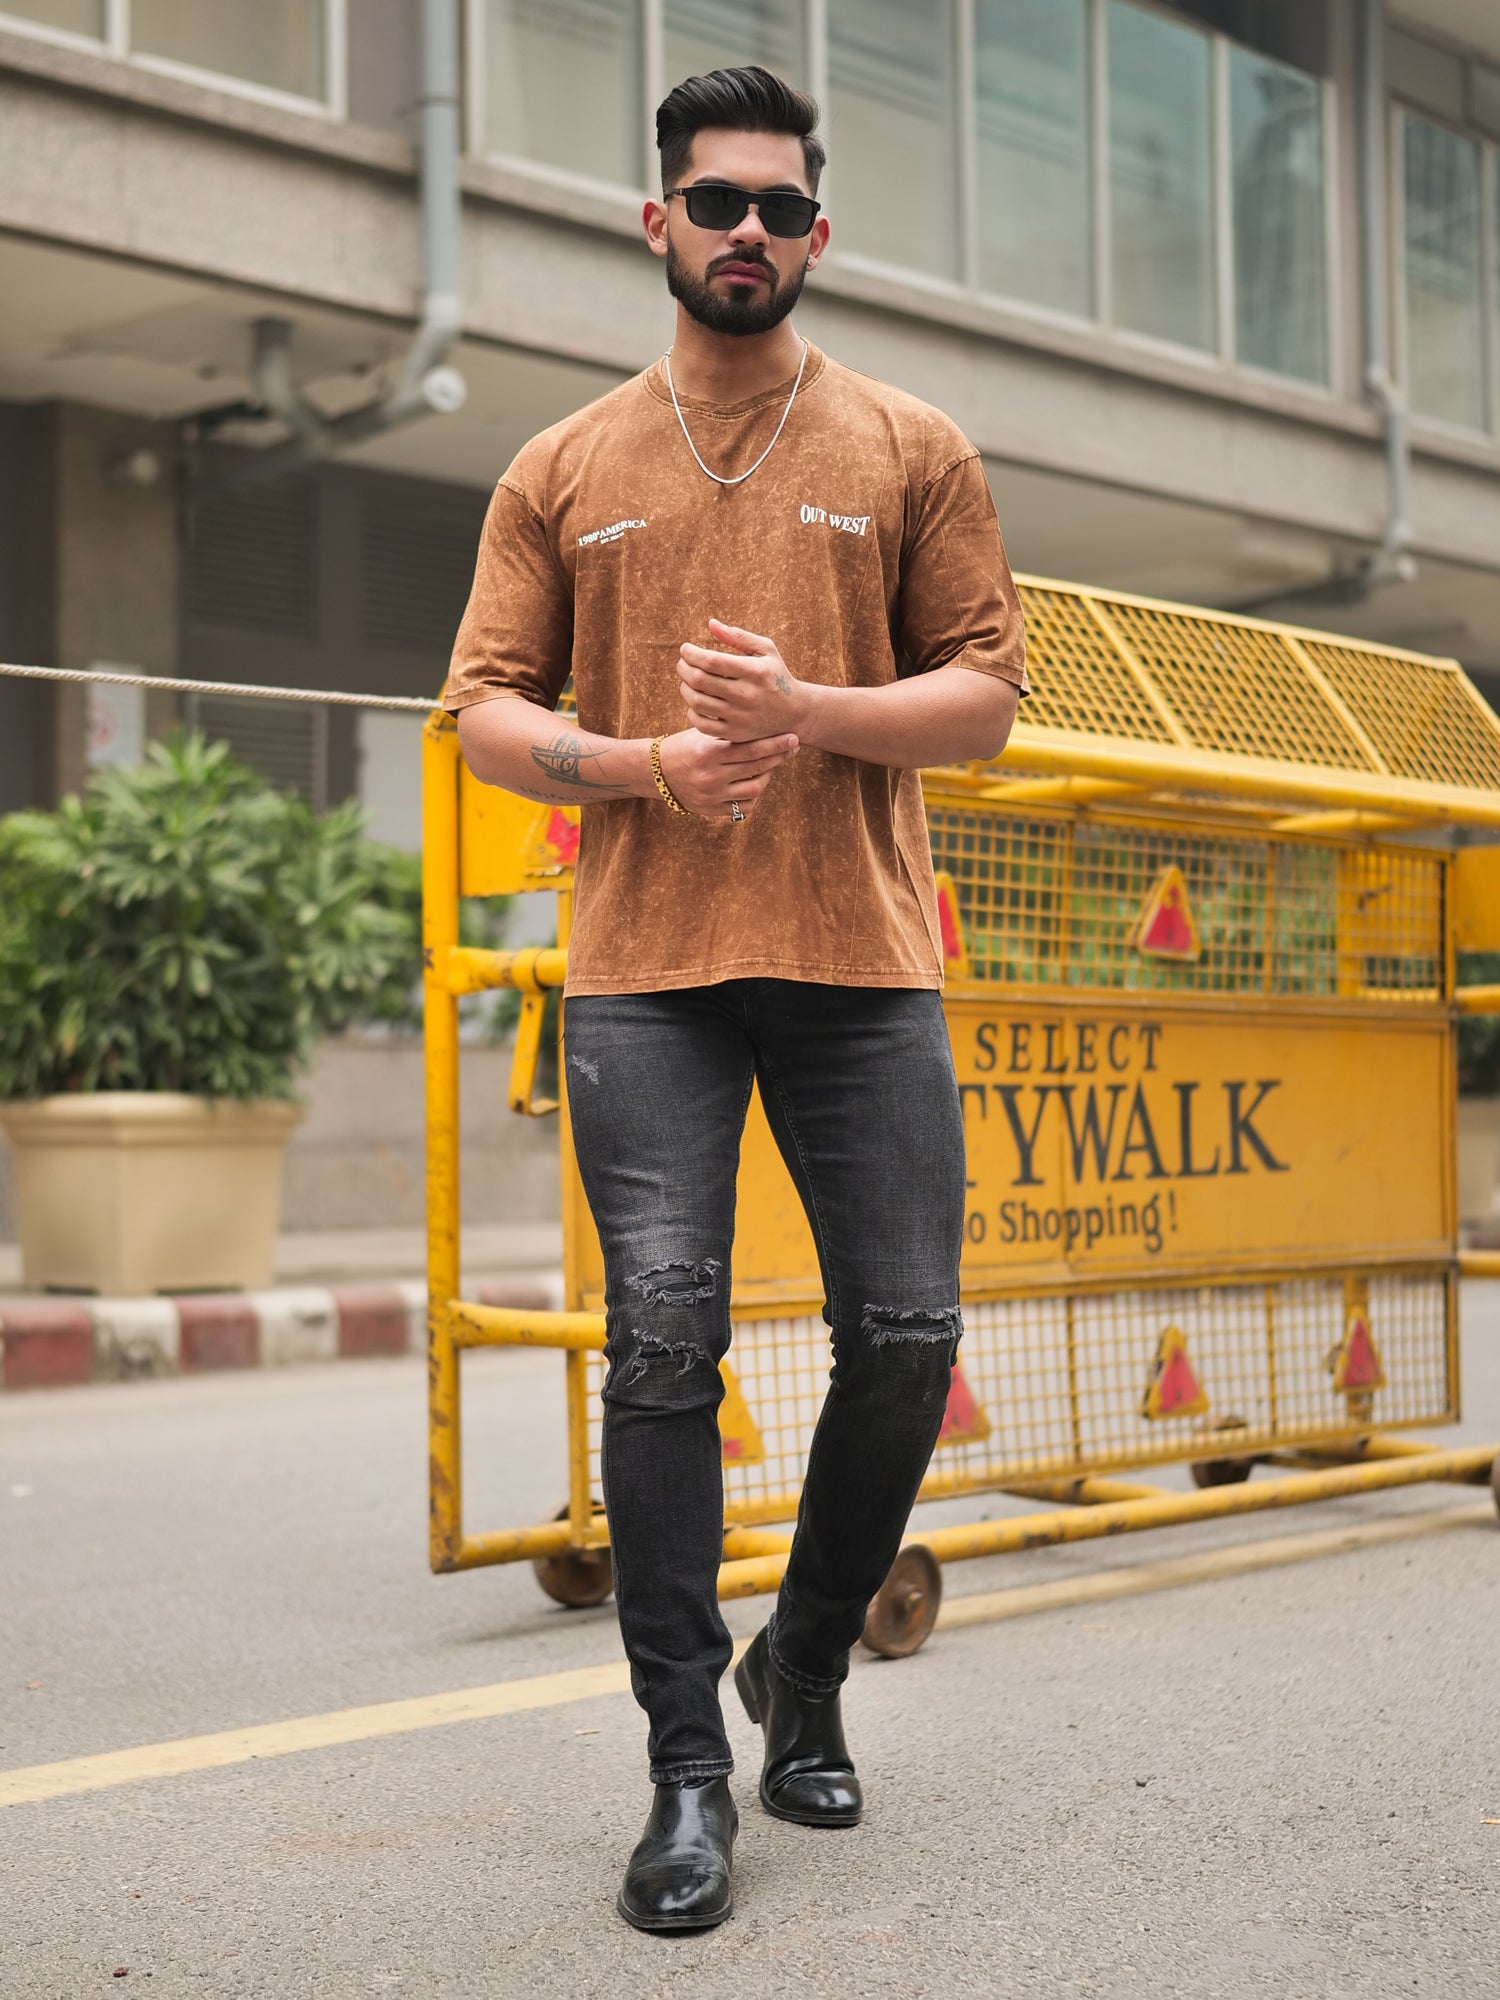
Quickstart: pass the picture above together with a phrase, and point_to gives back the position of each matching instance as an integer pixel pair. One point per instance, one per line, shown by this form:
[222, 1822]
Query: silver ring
[734, 811]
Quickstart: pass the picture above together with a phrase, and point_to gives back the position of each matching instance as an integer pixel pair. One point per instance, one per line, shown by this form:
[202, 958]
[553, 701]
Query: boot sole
[699, 1923]
[752, 1709]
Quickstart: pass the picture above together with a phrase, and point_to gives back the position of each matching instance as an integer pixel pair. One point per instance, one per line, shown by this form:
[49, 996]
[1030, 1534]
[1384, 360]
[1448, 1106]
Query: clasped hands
[745, 711]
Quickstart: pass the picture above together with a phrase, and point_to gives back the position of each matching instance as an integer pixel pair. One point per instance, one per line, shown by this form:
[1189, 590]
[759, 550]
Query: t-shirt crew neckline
[655, 382]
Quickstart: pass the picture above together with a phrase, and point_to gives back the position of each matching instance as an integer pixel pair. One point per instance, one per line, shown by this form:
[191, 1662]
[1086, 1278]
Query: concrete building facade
[1214, 286]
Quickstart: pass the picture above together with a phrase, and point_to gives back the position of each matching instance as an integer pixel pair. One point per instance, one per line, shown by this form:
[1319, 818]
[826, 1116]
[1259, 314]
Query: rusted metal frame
[468, 969]
[440, 759]
[745, 1520]
[761, 1574]
[524, 1059]
[519, 1326]
[1075, 1414]
[1085, 1490]
[1059, 791]
[1367, 1450]
[580, 1500]
[742, 1543]
[1168, 768]
[1354, 822]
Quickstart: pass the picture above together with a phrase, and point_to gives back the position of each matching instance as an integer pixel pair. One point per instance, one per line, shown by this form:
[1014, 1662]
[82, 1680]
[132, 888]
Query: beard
[734, 314]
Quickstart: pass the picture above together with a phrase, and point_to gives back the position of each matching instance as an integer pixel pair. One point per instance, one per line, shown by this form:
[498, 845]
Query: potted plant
[171, 947]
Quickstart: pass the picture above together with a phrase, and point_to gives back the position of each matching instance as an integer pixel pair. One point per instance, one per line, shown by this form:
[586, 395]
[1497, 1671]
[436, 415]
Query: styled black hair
[750, 99]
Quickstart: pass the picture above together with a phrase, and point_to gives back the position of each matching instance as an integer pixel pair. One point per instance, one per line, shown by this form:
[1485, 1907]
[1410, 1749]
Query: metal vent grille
[285, 741]
[417, 563]
[1050, 902]
[1137, 671]
[1237, 688]
[1079, 680]
[251, 563]
[1422, 718]
[1060, 1380]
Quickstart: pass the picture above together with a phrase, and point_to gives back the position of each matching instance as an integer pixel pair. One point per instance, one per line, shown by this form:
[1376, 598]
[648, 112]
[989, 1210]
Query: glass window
[891, 98]
[1280, 232]
[701, 35]
[563, 84]
[79, 17]
[278, 43]
[1444, 308]
[1160, 177]
[1031, 71]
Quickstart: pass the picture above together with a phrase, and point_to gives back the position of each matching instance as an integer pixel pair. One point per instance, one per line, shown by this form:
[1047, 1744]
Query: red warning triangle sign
[1356, 1361]
[1166, 928]
[1173, 1388]
[562, 836]
[740, 1441]
[951, 926]
[965, 1421]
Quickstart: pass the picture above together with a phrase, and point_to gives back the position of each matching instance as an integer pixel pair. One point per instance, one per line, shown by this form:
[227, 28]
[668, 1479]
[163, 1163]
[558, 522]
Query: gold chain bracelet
[656, 771]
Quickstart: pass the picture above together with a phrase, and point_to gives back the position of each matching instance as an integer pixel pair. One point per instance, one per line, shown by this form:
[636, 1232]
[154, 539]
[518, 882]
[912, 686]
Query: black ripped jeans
[859, 1089]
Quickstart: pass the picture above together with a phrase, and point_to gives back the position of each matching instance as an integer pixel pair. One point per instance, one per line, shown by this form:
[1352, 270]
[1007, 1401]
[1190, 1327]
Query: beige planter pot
[147, 1191]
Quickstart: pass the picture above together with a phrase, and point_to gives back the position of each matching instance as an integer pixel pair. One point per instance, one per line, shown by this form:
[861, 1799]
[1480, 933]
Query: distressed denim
[859, 1089]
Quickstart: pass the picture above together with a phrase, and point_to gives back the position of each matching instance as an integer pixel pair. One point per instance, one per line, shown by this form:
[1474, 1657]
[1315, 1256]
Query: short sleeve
[958, 604]
[516, 637]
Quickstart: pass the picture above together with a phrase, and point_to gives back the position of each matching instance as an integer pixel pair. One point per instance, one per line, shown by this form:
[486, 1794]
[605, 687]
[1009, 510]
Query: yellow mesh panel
[1420, 717]
[1236, 688]
[1061, 1381]
[1078, 680]
[1047, 902]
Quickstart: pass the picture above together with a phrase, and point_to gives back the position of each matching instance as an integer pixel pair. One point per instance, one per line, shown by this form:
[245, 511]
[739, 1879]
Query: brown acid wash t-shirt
[866, 546]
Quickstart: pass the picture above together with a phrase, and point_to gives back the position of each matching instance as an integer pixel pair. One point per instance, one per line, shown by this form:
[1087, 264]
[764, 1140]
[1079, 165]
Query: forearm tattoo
[564, 759]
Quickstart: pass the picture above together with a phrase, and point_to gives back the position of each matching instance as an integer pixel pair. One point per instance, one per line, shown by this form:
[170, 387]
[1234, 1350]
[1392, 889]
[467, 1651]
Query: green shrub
[184, 927]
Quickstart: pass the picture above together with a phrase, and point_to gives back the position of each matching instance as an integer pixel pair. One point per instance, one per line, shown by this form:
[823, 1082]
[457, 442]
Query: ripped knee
[920, 1341]
[667, 1339]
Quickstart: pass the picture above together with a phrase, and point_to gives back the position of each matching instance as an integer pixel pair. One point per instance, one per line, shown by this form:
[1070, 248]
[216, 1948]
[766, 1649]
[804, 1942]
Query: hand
[706, 773]
[743, 695]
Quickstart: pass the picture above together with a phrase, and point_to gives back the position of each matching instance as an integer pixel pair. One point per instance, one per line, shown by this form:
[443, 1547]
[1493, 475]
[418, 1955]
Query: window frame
[115, 42]
[965, 286]
[1487, 432]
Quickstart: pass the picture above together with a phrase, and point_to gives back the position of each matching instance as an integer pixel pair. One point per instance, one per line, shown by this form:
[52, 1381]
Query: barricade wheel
[1222, 1471]
[576, 1577]
[904, 1609]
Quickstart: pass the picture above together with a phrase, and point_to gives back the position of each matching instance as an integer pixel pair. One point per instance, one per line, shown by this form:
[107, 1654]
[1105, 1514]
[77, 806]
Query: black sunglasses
[716, 205]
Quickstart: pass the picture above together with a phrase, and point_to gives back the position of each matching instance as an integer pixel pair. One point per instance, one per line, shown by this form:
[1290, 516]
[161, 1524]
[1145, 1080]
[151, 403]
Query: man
[780, 589]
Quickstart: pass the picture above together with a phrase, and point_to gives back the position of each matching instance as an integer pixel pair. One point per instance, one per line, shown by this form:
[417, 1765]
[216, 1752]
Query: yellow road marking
[1099, 1586]
[307, 1732]
[39, 1782]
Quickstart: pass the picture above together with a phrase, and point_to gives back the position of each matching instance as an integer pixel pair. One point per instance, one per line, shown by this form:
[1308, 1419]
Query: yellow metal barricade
[1200, 927]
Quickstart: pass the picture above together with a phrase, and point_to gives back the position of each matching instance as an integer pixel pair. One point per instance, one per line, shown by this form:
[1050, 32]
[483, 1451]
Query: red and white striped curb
[57, 1343]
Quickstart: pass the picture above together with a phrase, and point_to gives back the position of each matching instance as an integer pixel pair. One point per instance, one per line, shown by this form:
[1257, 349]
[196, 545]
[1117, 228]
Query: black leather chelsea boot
[678, 1878]
[808, 1775]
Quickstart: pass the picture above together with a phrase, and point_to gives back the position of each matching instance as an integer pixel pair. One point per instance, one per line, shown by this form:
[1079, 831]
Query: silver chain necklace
[718, 477]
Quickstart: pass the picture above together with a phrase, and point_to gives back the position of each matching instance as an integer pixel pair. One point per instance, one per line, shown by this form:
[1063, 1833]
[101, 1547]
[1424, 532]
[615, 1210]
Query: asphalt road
[1284, 1782]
